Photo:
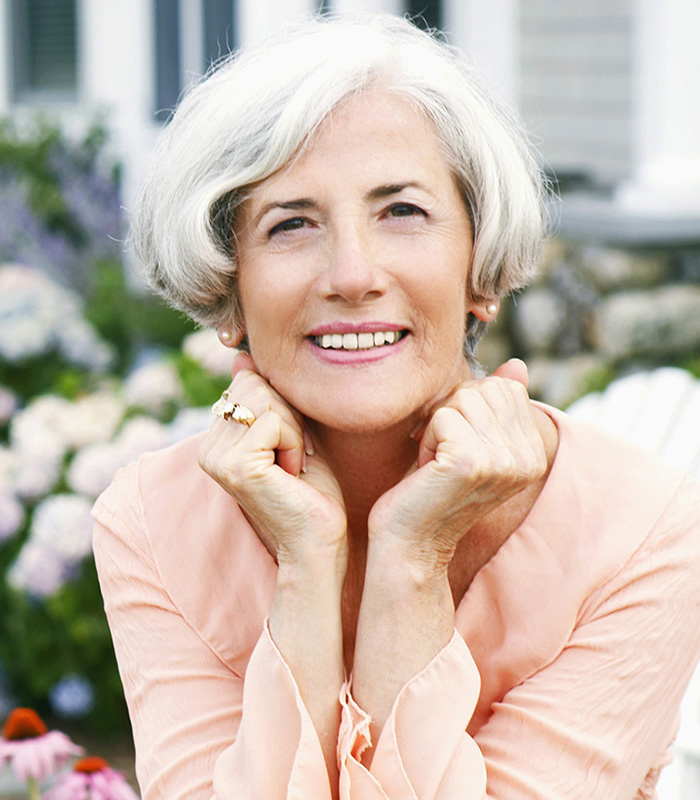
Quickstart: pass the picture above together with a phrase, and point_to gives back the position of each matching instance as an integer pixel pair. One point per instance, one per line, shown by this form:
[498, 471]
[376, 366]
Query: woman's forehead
[376, 136]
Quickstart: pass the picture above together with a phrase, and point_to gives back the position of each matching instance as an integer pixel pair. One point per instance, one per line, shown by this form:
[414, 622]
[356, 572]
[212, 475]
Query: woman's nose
[353, 271]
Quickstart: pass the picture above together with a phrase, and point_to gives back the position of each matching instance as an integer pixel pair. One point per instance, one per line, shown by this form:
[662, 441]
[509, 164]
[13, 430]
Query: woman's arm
[295, 506]
[201, 728]
[480, 448]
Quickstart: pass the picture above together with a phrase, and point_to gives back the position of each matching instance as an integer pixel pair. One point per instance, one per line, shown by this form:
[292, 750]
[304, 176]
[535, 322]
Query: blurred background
[93, 372]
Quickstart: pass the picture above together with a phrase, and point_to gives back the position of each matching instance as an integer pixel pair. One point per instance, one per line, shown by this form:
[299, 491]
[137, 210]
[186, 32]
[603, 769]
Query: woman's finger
[515, 370]
[242, 361]
[250, 389]
[240, 457]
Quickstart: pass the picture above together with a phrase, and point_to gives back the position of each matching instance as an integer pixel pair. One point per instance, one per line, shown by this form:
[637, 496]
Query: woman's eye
[405, 210]
[288, 225]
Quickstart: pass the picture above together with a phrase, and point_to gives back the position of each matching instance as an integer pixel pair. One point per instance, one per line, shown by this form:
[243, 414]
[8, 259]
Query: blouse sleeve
[423, 751]
[598, 720]
[198, 733]
[594, 723]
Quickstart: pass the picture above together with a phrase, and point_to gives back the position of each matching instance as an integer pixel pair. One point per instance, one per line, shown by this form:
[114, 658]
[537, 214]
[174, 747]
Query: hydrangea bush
[91, 376]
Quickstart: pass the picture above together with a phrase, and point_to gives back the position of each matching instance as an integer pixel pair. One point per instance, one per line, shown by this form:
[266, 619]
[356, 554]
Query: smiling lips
[357, 341]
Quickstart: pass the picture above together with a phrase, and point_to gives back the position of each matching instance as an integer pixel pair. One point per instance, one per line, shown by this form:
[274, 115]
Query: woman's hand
[286, 491]
[479, 448]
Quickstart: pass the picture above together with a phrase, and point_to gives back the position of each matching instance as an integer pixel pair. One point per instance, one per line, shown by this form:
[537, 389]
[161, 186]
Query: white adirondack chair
[660, 411]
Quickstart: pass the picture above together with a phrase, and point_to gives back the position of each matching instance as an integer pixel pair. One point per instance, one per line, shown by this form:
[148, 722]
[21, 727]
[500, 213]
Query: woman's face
[353, 267]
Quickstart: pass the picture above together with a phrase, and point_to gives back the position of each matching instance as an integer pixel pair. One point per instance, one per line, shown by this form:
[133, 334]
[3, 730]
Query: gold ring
[227, 409]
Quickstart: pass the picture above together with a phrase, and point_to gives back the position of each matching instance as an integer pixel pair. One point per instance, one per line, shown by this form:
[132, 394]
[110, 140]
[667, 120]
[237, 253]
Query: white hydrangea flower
[153, 386]
[93, 418]
[140, 435]
[11, 515]
[56, 424]
[38, 435]
[37, 570]
[37, 467]
[8, 405]
[80, 345]
[29, 311]
[190, 421]
[62, 522]
[46, 415]
[7, 468]
[93, 468]
[204, 347]
[36, 315]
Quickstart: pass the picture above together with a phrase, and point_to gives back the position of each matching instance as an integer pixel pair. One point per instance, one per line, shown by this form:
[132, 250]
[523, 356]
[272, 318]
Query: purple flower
[92, 779]
[72, 696]
[38, 570]
[32, 751]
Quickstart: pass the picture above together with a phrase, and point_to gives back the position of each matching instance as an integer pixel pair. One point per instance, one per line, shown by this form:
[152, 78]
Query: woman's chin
[362, 418]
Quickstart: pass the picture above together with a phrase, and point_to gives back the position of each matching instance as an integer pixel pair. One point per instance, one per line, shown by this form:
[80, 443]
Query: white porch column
[488, 34]
[117, 66]
[256, 19]
[353, 6]
[666, 133]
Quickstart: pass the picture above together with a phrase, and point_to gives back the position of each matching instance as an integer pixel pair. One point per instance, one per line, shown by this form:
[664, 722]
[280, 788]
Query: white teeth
[356, 341]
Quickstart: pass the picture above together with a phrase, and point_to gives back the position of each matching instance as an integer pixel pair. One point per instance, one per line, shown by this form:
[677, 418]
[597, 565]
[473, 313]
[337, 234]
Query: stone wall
[595, 313]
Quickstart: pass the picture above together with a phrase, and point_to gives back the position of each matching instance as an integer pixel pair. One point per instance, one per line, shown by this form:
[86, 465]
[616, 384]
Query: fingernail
[303, 462]
[414, 433]
[308, 444]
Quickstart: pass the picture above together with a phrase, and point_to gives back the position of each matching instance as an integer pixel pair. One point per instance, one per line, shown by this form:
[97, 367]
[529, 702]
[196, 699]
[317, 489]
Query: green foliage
[63, 205]
[692, 364]
[30, 154]
[599, 379]
[129, 319]
[201, 387]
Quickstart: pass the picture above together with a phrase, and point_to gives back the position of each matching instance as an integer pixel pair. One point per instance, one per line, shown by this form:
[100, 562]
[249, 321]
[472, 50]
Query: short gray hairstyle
[256, 110]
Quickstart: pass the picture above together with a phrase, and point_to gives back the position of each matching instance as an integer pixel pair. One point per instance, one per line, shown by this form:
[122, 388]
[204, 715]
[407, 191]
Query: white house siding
[575, 88]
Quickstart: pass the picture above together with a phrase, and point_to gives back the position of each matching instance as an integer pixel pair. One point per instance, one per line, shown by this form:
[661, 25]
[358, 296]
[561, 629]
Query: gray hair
[257, 109]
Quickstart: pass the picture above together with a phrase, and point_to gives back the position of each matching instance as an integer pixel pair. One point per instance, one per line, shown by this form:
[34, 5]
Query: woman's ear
[487, 310]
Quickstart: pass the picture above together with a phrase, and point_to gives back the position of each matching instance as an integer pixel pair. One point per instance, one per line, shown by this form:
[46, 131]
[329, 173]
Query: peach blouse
[571, 652]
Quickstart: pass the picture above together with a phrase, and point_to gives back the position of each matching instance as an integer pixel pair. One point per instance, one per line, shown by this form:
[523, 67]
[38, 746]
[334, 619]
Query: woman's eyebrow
[386, 190]
[295, 205]
[303, 203]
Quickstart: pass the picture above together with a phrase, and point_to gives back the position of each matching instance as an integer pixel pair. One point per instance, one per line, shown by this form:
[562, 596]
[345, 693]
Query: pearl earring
[226, 336]
[491, 309]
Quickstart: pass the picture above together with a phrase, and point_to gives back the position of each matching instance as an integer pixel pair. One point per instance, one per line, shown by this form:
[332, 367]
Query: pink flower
[92, 779]
[31, 750]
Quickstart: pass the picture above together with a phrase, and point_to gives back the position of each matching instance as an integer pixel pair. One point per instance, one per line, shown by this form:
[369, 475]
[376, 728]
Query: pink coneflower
[92, 779]
[31, 749]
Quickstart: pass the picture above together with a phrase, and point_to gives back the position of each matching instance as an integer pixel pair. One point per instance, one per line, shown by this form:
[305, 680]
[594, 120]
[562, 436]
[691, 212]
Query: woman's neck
[366, 465]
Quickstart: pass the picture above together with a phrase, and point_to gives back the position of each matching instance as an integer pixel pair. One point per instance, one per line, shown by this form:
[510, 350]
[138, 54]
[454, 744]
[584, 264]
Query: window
[44, 49]
[184, 50]
[218, 30]
[427, 13]
[167, 33]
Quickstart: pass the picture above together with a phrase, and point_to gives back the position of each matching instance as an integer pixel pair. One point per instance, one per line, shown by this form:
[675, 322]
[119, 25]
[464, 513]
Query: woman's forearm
[406, 618]
[306, 626]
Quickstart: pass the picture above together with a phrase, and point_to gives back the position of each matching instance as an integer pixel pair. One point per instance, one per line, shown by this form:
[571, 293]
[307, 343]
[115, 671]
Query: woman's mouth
[357, 341]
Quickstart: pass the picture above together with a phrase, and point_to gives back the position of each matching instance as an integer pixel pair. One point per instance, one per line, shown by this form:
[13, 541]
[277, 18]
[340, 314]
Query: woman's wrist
[422, 562]
[406, 575]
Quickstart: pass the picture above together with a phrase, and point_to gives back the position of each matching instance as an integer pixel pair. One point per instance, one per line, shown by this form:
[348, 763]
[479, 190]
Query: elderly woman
[390, 578]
